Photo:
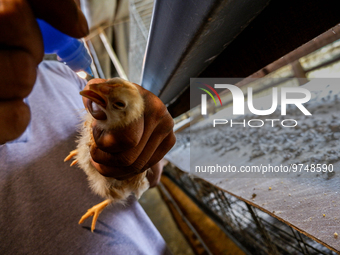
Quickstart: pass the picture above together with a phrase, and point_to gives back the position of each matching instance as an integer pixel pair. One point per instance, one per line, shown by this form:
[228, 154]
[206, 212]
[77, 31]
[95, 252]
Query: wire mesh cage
[140, 20]
[256, 231]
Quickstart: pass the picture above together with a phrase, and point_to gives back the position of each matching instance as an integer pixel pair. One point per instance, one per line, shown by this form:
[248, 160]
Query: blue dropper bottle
[69, 50]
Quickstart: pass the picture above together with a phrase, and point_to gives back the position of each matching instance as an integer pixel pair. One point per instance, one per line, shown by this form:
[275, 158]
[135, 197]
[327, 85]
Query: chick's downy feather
[114, 104]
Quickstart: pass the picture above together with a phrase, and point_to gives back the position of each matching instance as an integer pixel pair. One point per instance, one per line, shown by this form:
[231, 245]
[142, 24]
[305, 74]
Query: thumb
[63, 15]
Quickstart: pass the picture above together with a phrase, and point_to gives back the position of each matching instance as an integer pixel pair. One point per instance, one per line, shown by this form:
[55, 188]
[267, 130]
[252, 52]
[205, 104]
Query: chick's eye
[119, 105]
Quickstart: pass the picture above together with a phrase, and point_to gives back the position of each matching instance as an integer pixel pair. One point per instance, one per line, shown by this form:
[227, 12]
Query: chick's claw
[71, 155]
[74, 162]
[95, 211]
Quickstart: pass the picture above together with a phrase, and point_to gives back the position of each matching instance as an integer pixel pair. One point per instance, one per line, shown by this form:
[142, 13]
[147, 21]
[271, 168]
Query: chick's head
[114, 103]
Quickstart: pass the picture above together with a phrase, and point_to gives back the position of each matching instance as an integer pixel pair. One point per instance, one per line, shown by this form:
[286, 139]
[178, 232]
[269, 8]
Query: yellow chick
[115, 103]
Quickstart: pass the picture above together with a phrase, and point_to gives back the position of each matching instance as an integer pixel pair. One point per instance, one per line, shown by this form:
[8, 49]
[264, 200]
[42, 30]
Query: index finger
[64, 15]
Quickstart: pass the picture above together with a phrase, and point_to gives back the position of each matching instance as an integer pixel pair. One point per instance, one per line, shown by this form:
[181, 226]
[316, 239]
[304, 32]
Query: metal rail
[112, 54]
[169, 197]
[186, 36]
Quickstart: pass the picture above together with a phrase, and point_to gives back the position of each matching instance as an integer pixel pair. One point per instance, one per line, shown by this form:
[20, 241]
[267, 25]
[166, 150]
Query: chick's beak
[96, 95]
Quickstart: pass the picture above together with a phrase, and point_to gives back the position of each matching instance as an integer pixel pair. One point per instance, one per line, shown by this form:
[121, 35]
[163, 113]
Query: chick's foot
[71, 155]
[95, 211]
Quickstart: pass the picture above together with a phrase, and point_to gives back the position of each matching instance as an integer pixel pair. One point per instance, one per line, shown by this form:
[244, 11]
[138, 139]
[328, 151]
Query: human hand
[124, 152]
[21, 50]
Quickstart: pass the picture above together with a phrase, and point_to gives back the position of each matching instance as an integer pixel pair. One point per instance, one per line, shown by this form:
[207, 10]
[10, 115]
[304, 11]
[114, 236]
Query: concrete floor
[161, 217]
